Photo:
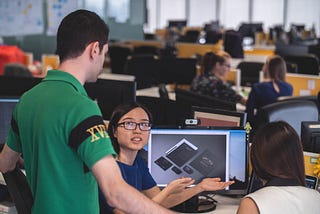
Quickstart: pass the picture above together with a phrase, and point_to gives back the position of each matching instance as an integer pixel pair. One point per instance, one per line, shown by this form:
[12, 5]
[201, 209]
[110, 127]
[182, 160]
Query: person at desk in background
[271, 89]
[277, 159]
[213, 68]
[61, 134]
[129, 129]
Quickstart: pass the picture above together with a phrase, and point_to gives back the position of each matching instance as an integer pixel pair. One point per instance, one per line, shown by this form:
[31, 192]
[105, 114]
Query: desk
[225, 205]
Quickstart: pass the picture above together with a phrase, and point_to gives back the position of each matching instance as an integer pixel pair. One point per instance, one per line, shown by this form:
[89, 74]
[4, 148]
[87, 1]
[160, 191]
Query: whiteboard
[21, 17]
[56, 11]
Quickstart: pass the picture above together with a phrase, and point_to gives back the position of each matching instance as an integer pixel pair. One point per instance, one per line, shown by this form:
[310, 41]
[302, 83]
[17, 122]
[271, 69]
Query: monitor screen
[111, 93]
[7, 104]
[199, 153]
[310, 136]
[177, 23]
[217, 117]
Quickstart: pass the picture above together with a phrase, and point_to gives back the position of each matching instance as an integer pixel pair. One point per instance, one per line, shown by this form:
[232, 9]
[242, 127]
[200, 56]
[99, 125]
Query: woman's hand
[212, 184]
[178, 185]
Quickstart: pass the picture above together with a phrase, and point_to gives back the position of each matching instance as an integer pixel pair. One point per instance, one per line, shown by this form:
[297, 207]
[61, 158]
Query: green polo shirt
[61, 134]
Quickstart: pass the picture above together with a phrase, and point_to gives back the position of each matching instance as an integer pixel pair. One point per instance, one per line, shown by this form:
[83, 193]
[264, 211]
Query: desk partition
[304, 84]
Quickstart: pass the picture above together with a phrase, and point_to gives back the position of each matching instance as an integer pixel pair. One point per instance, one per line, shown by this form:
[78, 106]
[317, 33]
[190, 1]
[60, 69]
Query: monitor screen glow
[199, 153]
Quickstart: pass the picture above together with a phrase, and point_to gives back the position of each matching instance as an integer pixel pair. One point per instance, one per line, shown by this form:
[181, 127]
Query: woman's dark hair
[277, 68]
[116, 116]
[276, 151]
[209, 60]
[77, 30]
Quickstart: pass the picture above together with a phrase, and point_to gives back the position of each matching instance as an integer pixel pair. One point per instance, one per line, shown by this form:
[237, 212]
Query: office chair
[190, 99]
[291, 111]
[307, 97]
[16, 70]
[146, 50]
[118, 56]
[307, 63]
[144, 68]
[165, 112]
[233, 44]
[177, 70]
[250, 72]
[292, 67]
[163, 92]
[19, 190]
[191, 36]
[213, 37]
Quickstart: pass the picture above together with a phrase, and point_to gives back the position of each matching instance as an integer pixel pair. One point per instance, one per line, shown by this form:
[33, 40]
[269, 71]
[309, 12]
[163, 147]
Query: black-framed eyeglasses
[143, 126]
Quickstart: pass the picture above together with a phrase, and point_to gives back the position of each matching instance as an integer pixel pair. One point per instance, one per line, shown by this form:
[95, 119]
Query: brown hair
[210, 59]
[276, 151]
[276, 68]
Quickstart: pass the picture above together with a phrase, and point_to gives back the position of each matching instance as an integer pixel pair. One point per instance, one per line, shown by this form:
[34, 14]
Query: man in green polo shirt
[60, 132]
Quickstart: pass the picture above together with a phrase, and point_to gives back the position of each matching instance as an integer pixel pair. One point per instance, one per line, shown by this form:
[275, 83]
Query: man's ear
[94, 50]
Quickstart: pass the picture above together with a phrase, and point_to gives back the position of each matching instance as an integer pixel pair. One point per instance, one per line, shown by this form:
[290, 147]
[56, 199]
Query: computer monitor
[249, 29]
[218, 117]
[310, 136]
[7, 105]
[16, 86]
[199, 153]
[111, 93]
[177, 23]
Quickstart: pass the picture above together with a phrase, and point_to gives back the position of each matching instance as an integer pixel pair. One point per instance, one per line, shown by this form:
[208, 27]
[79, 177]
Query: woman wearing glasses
[215, 67]
[129, 129]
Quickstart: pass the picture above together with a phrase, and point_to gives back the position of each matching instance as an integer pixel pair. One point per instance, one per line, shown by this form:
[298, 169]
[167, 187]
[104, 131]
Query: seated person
[129, 129]
[277, 160]
[268, 92]
[209, 82]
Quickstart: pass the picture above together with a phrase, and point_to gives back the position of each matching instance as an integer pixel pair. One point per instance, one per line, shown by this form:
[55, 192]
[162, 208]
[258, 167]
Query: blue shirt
[137, 175]
[262, 94]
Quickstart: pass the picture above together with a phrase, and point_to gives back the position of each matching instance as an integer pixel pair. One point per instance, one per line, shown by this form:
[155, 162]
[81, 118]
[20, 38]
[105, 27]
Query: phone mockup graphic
[182, 152]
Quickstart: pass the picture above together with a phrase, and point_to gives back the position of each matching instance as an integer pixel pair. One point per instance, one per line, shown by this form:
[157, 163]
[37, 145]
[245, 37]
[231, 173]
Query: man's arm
[118, 193]
[8, 159]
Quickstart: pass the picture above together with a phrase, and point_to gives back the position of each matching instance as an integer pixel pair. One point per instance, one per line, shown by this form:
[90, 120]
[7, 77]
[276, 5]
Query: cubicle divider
[304, 84]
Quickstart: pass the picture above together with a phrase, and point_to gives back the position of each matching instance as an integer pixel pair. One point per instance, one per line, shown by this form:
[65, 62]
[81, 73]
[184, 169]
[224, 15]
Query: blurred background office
[31, 24]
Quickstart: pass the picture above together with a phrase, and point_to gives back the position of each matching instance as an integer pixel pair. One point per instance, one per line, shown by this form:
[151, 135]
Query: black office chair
[177, 70]
[213, 37]
[146, 50]
[144, 68]
[233, 44]
[307, 63]
[16, 70]
[250, 72]
[19, 190]
[292, 67]
[291, 111]
[190, 36]
[165, 112]
[190, 99]
[118, 56]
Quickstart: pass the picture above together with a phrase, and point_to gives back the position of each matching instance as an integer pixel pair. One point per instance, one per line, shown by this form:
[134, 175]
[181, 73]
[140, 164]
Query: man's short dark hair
[77, 30]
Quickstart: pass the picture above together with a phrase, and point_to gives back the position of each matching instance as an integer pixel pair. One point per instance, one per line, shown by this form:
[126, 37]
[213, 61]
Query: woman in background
[129, 129]
[214, 67]
[277, 160]
[269, 91]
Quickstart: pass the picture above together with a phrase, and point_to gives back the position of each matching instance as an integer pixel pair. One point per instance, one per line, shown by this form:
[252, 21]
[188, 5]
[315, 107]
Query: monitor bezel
[231, 191]
[242, 116]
